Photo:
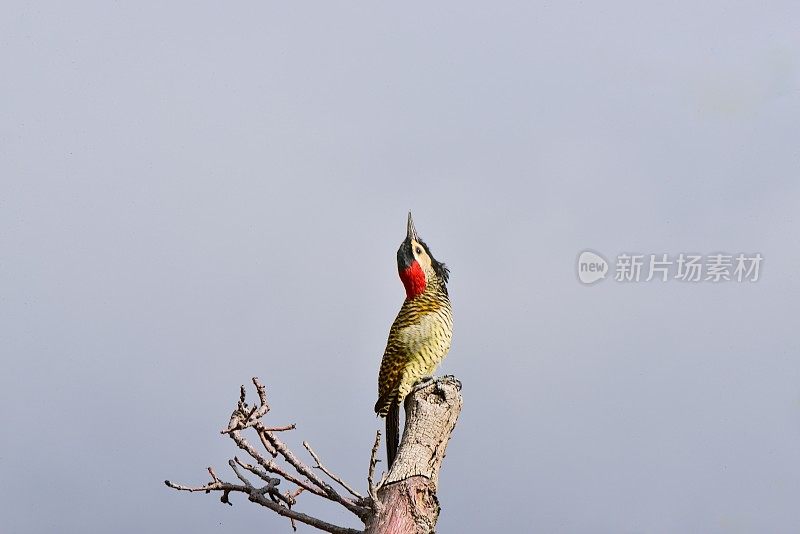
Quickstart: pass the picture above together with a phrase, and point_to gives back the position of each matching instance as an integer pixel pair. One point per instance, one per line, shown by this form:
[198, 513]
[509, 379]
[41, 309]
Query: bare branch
[211, 486]
[293, 495]
[239, 474]
[307, 472]
[280, 428]
[272, 482]
[407, 493]
[257, 495]
[373, 461]
[325, 470]
[255, 470]
[244, 417]
[270, 449]
[303, 518]
[271, 467]
[218, 485]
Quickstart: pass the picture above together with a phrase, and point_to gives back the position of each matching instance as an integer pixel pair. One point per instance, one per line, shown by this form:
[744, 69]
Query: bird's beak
[411, 232]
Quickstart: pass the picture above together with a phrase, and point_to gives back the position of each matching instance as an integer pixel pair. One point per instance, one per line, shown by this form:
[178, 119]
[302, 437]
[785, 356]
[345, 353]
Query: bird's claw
[423, 382]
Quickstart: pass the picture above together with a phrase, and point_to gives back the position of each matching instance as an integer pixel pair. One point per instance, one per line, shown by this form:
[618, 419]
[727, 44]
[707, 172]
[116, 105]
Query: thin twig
[293, 495]
[256, 471]
[224, 487]
[272, 482]
[303, 518]
[243, 417]
[239, 474]
[373, 461]
[272, 467]
[307, 472]
[214, 476]
[280, 428]
[325, 470]
[270, 449]
[211, 486]
[262, 393]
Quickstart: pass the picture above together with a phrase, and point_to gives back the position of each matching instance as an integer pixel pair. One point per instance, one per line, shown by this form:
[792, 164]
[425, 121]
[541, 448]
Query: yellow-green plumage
[420, 335]
[418, 341]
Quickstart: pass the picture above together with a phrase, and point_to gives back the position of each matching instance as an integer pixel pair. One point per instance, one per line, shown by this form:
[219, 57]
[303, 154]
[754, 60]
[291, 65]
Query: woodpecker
[420, 335]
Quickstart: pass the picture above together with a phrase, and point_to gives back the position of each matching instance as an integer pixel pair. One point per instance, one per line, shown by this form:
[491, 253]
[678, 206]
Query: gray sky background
[195, 193]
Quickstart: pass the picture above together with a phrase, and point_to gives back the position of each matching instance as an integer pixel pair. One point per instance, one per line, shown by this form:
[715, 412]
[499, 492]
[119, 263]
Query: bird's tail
[392, 433]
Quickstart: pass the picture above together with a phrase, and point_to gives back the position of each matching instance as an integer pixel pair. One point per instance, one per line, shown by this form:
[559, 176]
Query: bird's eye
[419, 250]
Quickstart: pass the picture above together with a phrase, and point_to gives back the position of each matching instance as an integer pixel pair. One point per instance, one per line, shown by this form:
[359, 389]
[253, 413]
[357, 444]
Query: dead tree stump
[407, 495]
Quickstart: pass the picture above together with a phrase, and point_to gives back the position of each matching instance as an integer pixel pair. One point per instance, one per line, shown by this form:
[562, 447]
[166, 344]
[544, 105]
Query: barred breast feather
[418, 341]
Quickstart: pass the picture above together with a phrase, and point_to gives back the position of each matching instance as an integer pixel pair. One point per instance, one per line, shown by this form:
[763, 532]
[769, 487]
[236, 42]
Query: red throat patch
[413, 279]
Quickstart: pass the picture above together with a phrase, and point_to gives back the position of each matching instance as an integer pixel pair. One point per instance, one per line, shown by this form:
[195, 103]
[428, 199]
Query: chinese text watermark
[683, 267]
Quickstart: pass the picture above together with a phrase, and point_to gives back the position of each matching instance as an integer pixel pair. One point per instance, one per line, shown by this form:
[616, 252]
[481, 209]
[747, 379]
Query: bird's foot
[423, 382]
[452, 378]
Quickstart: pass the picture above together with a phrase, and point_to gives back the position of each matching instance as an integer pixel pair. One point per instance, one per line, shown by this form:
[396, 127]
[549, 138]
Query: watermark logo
[683, 267]
[591, 267]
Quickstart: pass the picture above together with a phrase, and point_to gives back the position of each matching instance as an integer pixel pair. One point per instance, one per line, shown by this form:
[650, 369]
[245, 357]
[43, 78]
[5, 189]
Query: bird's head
[417, 267]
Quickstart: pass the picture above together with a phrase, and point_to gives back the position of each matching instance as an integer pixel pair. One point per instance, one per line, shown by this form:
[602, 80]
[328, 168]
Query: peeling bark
[407, 496]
